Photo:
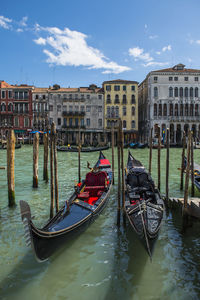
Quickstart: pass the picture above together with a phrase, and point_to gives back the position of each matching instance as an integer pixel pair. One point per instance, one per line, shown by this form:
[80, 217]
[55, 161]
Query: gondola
[85, 204]
[144, 206]
[75, 149]
[196, 173]
[142, 146]
[17, 146]
[134, 145]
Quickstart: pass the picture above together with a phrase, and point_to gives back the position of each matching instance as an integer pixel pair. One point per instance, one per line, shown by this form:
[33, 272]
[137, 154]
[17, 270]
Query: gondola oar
[145, 233]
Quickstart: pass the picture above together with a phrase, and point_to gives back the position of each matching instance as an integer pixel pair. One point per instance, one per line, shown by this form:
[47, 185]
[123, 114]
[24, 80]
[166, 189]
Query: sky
[75, 43]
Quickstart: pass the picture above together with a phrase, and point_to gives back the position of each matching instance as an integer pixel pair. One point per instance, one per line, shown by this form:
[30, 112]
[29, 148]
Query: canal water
[104, 262]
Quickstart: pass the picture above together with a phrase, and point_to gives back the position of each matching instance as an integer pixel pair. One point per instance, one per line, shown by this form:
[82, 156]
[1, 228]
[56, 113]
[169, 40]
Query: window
[186, 78]
[181, 92]
[43, 97]
[170, 92]
[58, 107]
[108, 99]
[88, 122]
[99, 109]
[59, 121]
[51, 121]
[82, 96]
[16, 121]
[76, 108]
[132, 99]
[124, 110]
[196, 110]
[170, 78]
[171, 109]
[160, 110]
[76, 122]
[186, 109]
[196, 92]
[108, 87]
[50, 107]
[82, 122]
[112, 112]
[132, 88]
[165, 110]
[133, 110]
[181, 110]
[99, 122]
[117, 88]
[124, 87]
[99, 97]
[21, 95]
[155, 78]
[16, 95]
[155, 92]
[10, 107]
[176, 110]
[88, 96]
[64, 108]
[26, 95]
[88, 108]
[82, 108]
[155, 110]
[70, 108]
[76, 96]
[70, 96]
[186, 92]
[176, 92]
[108, 111]
[116, 98]
[9, 94]
[3, 107]
[196, 78]
[124, 124]
[175, 78]
[132, 124]
[3, 94]
[191, 92]
[70, 122]
[117, 111]
[124, 99]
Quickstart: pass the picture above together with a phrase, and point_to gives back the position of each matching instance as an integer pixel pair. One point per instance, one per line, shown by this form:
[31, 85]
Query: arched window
[155, 110]
[132, 124]
[108, 111]
[191, 109]
[176, 92]
[196, 92]
[10, 107]
[181, 92]
[112, 111]
[186, 109]
[117, 111]
[133, 99]
[3, 107]
[196, 110]
[124, 99]
[155, 92]
[124, 124]
[133, 110]
[116, 98]
[108, 123]
[191, 92]
[108, 98]
[160, 110]
[171, 109]
[170, 92]
[176, 110]
[165, 110]
[124, 110]
[186, 92]
[181, 110]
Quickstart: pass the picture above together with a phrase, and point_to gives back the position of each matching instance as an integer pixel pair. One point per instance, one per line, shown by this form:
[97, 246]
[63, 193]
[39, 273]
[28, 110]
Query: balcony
[112, 116]
[73, 113]
[73, 127]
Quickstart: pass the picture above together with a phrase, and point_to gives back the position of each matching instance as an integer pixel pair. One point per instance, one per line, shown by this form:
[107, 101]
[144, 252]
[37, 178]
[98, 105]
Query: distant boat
[75, 149]
[4, 146]
[141, 145]
[134, 145]
[196, 145]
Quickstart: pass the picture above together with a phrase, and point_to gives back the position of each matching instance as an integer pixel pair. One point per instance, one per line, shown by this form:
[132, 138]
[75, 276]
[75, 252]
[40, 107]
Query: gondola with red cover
[85, 204]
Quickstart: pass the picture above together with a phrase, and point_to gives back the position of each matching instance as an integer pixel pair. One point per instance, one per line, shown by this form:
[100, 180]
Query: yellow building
[121, 102]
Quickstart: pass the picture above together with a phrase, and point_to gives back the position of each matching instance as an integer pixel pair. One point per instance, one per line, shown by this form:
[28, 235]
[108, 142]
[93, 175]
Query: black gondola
[144, 206]
[75, 149]
[85, 204]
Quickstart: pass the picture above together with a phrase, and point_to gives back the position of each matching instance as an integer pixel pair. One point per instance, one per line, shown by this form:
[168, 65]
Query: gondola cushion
[83, 195]
[94, 190]
[96, 179]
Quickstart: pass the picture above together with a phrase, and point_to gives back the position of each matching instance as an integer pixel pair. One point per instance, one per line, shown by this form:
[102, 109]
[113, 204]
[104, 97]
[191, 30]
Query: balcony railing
[73, 113]
[73, 126]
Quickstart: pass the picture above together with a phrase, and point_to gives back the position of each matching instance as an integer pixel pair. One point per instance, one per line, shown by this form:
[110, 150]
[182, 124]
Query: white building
[170, 98]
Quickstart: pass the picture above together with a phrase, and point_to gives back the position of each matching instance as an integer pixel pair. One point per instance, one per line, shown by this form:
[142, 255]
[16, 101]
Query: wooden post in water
[79, 156]
[192, 164]
[46, 154]
[113, 142]
[122, 166]
[35, 159]
[11, 167]
[187, 171]
[167, 168]
[23, 139]
[150, 150]
[183, 158]
[51, 170]
[119, 175]
[159, 149]
[55, 167]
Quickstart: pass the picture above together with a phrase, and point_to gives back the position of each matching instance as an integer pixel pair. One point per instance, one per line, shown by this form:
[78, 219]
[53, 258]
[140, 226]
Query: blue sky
[79, 42]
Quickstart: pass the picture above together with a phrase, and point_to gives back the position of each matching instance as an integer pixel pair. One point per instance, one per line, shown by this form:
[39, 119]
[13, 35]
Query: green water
[105, 262]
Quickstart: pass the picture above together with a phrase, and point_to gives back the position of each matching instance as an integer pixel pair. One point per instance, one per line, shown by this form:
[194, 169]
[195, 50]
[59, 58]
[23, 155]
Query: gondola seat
[95, 183]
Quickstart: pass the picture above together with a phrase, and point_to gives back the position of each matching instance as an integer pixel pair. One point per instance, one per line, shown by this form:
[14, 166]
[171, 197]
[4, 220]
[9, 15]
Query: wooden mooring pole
[182, 163]
[119, 175]
[35, 159]
[187, 172]
[192, 164]
[79, 156]
[11, 167]
[122, 168]
[150, 150]
[167, 169]
[46, 155]
[51, 170]
[55, 167]
[113, 144]
[159, 150]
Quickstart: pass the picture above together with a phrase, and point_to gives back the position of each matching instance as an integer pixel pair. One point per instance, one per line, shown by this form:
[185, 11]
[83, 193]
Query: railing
[73, 126]
[73, 113]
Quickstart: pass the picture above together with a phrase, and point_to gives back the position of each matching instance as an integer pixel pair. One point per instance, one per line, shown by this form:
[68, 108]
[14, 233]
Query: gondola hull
[75, 149]
[65, 225]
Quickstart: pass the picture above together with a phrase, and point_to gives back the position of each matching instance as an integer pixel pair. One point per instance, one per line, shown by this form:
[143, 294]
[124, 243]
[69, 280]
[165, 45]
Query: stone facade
[170, 98]
[40, 106]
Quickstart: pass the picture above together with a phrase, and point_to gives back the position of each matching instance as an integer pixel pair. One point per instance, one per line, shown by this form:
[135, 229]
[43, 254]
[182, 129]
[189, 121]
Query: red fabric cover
[92, 200]
[93, 190]
[79, 184]
[104, 162]
[95, 179]
[83, 195]
[99, 193]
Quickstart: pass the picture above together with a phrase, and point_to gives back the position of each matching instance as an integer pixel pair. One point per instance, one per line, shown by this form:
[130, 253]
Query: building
[74, 108]
[15, 107]
[40, 106]
[170, 98]
[121, 102]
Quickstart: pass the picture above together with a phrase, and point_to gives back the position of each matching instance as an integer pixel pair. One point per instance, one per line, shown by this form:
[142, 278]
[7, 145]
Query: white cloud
[23, 22]
[138, 53]
[198, 41]
[155, 63]
[5, 22]
[169, 48]
[19, 30]
[153, 37]
[69, 48]
[158, 52]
